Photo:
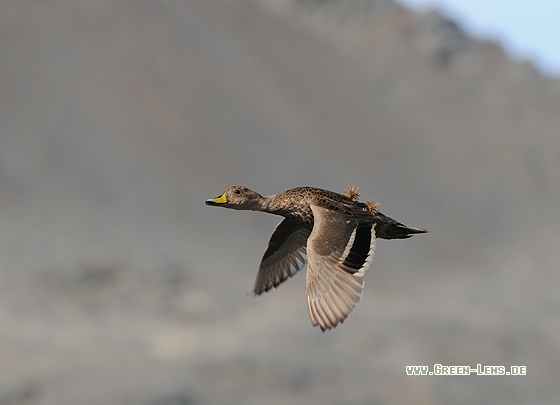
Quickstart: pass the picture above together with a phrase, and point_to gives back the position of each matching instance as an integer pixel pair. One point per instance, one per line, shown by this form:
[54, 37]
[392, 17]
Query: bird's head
[238, 198]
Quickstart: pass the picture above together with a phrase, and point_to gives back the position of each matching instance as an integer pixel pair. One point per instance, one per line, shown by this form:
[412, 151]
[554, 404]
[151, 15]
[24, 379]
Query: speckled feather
[335, 232]
[296, 203]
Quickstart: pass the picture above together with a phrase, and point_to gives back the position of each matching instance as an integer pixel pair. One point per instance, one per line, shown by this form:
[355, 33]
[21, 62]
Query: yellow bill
[221, 200]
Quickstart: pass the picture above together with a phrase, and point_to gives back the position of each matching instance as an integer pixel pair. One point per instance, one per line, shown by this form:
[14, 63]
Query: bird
[334, 234]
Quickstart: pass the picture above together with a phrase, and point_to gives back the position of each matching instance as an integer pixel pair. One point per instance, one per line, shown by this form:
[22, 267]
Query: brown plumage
[335, 232]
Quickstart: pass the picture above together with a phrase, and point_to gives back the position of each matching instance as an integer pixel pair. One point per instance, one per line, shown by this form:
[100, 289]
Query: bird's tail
[388, 228]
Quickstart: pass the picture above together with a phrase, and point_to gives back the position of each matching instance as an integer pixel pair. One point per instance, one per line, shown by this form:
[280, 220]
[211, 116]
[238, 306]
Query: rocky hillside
[119, 286]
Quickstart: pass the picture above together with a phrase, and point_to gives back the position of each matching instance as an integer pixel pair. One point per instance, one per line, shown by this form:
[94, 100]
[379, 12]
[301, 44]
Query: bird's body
[334, 231]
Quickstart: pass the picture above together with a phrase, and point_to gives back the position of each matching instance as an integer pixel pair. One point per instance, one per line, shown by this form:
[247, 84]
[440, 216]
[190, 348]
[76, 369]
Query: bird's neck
[273, 205]
[266, 204]
[258, 204]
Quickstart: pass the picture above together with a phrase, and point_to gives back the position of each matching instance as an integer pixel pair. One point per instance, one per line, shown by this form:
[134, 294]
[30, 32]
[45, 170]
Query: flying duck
[331, 232]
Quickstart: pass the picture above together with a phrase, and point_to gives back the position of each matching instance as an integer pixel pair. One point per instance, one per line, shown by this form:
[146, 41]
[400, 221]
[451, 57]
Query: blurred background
[119, 286]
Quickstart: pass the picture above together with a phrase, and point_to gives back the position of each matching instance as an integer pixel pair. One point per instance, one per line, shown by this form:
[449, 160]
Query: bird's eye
[237, 191]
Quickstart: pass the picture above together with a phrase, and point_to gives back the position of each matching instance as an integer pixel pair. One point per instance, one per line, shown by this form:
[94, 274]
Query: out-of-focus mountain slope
[118, 285]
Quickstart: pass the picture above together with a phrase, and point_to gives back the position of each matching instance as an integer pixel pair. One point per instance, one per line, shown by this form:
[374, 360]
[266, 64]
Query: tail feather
[388, 228]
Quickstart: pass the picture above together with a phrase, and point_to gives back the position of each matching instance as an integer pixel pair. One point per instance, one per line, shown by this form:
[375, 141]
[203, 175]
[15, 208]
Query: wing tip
[326, 314]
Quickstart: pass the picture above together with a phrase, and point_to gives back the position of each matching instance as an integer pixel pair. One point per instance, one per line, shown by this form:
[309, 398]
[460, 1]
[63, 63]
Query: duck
[333, 234]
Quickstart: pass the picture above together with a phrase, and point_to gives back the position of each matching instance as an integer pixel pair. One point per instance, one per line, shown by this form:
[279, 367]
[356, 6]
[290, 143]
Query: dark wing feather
[284, 256]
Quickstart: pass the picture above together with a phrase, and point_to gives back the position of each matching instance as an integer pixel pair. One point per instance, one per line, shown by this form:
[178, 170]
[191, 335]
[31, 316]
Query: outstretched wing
[339, 250]
[284, 256]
